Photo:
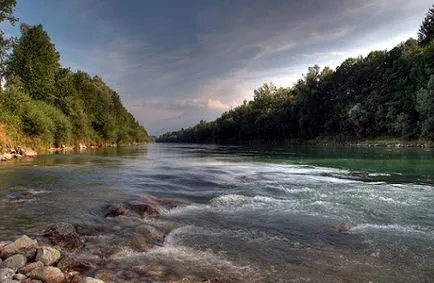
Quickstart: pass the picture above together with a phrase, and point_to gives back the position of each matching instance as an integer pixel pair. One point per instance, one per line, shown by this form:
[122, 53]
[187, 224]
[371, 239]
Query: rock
[62, 235]
[29, 267]
[19, 276]
[26, 152]
[14, 262]
[113, 211]
[6, 157]
[143, 209]
[6, 273]
[69, 264]
[342, 227]
[92, 280]
[76, 278]
[48, 255]
[10, 281]
[48, 274]
[28, 280]
[23, 245]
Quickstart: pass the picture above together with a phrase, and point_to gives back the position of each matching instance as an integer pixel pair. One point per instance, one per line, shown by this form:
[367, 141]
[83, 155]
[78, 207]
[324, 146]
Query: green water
[256, 214]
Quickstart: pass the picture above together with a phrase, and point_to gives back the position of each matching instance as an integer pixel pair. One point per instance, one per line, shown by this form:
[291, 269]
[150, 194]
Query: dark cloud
[176, 62]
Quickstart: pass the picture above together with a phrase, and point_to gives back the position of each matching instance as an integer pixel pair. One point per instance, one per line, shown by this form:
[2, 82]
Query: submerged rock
[48, 255]
[14, 262]
[23, 245]
[342, 227]
[63, 235]
[71, 264]
[48, 274]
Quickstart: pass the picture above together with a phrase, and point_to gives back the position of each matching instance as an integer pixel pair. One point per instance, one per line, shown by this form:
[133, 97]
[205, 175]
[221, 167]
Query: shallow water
[256, 214]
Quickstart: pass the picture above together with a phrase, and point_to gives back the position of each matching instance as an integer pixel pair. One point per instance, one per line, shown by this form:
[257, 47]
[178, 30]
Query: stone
[27, 152]
[92, 280]
[114, 211]
[6, 273]
[48, 255]
[48, 274]
[69, 264]
[10, 281]
[63, 235]
[6, 157]
[23, 245]
[29, 267]
[14, 262]
[19, 276]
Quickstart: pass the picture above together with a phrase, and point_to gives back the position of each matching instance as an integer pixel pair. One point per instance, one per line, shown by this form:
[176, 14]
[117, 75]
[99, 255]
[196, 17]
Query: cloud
[175, 64]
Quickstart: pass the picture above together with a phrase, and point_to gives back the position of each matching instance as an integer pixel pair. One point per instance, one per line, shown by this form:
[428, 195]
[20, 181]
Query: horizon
[175, 64]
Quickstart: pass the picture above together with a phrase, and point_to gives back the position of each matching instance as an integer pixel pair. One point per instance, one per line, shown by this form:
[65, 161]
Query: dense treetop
[385, 94]
[46, 104]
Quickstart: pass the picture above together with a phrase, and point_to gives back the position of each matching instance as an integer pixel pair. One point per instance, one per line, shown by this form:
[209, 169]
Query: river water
[255, 214]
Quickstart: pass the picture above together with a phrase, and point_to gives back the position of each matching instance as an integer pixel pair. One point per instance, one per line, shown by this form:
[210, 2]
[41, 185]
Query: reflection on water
[256, 214]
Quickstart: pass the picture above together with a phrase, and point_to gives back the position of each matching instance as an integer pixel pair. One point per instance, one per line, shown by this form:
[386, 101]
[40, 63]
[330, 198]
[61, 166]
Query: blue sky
[177, 62]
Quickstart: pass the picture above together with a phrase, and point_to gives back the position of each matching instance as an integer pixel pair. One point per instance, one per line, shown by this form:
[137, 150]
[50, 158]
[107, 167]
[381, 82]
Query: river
[255, 214]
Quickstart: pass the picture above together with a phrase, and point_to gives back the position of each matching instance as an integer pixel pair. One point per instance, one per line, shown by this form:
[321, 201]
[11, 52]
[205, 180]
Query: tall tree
[35, 61]
[426, 31]
[6, 14]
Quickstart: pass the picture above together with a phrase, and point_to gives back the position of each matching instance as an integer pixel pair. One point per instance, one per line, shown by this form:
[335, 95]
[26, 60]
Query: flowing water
[256, 214]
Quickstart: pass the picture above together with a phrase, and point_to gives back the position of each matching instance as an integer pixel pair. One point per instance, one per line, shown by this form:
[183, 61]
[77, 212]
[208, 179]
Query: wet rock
[92, 280]
[63, 235]
[143, 209]
[23, 245]
[6, 273]
[113, 211]
[6, 157]
[75, 278]
[49, 274]
[48, 255]
[14, 262]
[10, 281]
[26, 152]
[19, 277]
[71, 264]
[342, 227]
[29, 267]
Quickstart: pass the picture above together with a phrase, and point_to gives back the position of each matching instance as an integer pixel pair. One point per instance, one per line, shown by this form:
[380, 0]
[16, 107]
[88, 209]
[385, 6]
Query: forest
[387, 94]
[43, 104]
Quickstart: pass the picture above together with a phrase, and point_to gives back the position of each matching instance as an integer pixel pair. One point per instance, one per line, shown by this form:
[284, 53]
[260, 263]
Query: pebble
[14, 262]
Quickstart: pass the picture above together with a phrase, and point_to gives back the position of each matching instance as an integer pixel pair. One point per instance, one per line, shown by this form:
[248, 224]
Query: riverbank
[88, 252]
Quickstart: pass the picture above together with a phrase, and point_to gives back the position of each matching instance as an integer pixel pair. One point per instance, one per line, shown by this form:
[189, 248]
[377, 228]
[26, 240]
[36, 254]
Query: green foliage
[36, 61]
[387, 93]
[56, 106]
[426, 31]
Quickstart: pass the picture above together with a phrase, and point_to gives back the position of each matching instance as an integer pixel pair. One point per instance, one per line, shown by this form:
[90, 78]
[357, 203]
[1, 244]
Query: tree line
[44, 103]
[385, 94]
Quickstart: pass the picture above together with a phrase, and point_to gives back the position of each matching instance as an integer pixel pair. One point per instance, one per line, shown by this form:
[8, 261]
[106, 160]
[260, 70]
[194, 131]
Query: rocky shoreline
[17, 153]
[87, 252]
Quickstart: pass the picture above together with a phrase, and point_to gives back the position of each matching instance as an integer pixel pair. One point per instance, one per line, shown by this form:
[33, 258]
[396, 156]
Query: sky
[175, 62]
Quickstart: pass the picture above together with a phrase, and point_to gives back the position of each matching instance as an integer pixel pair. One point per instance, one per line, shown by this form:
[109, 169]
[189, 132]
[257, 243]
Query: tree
[426, 31]
[35, 61]
[6, 14]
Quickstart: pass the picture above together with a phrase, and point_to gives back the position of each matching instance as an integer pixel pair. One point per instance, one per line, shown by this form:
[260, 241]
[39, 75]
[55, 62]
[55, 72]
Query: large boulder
[23, 245]
[14, 262]
[48, 274]
[48, 255]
